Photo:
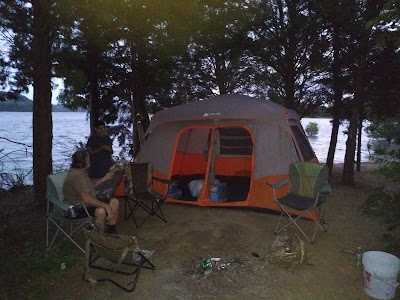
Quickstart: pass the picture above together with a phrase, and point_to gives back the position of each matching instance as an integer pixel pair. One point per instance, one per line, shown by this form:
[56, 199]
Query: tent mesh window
[305, 148]
[235, 141]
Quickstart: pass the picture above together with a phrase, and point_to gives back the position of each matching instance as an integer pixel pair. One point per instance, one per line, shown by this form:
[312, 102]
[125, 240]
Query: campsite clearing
[241, 238]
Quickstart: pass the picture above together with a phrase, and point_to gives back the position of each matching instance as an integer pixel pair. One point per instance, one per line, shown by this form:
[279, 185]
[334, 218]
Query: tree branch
[23, 144]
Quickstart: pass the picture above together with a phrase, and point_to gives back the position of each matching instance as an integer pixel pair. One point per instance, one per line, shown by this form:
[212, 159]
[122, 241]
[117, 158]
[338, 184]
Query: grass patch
[30, 269]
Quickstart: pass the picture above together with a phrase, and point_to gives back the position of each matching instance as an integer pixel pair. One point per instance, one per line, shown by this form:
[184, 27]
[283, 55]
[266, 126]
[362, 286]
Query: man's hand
[107, 148]
[109, 175]
[106, 177]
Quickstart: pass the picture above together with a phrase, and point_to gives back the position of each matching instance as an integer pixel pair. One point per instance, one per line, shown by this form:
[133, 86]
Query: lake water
[69, 128]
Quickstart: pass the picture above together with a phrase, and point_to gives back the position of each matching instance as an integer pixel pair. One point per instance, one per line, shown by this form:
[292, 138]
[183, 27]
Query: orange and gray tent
[229, 144]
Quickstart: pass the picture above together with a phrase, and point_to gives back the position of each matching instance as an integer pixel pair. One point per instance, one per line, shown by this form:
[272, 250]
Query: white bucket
[380, 274]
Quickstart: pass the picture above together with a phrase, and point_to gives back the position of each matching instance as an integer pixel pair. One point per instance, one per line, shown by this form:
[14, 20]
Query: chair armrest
[279, 184]
[58, 203]
[327, 189]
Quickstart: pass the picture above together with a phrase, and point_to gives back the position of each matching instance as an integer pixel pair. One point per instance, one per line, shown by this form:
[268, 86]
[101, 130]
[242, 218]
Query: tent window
[235, 141]
[303, 143]
[297, 151]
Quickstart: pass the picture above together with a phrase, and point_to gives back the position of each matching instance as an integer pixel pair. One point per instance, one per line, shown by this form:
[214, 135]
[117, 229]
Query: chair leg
[69, 236]
[293, 221]
[58, 226]
[301, 230]
[130, 212]
[130, 286]
[277, 225]
[158, 208]
[152, 210]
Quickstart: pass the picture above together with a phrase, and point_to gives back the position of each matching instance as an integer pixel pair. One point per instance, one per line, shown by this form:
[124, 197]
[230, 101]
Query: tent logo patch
[211, 114]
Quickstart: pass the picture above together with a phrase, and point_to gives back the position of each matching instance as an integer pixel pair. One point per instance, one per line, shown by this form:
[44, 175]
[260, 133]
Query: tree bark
[373, 8]
[359, 135]
[42, 117]
[348, 168]
[337, 97]
[139, 91]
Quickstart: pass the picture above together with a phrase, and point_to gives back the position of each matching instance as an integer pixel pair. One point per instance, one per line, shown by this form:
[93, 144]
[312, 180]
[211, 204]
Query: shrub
[386, 205]
[312, 129]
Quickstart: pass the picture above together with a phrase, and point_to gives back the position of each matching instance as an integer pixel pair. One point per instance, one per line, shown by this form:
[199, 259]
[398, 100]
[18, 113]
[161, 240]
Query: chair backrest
[54, 192]
[114, 242]
[307, 179]
[142, 176]
[112, 246]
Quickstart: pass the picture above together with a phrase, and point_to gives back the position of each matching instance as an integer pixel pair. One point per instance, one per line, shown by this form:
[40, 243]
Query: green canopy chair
[58, 213]
[307, 198]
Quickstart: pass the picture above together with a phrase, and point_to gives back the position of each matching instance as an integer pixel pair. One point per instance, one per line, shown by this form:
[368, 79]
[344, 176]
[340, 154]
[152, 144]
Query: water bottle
[358, 257]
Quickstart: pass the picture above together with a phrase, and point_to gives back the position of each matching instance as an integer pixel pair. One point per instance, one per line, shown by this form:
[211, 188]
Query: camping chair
[108, 188]
[121, 250]
[57, 212]
[308, 196]
[140, 193]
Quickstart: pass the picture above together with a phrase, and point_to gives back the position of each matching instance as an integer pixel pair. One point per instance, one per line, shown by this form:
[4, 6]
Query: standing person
[99, 146]
[79, 189]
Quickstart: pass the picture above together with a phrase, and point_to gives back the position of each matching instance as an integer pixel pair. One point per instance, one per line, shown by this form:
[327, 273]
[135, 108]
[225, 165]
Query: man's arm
[97, 150]
[107, 148]
[92, 201]
[106, 177]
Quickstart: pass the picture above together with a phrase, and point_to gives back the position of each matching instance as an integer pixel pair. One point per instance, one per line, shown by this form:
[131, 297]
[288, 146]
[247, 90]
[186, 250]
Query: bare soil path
[240, 238]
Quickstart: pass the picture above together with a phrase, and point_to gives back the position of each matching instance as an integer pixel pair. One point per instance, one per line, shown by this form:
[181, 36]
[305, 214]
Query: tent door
[191, 161]
[219, 157]
[231, 164]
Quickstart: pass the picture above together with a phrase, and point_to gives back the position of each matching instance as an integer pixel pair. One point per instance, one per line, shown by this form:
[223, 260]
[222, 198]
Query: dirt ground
[242, 239]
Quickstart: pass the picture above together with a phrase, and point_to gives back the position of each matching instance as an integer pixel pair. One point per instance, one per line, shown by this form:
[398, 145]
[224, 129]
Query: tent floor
[237, 187]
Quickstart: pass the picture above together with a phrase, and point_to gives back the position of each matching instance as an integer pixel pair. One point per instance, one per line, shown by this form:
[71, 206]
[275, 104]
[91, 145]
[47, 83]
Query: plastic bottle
[358, 257]
[206, 263]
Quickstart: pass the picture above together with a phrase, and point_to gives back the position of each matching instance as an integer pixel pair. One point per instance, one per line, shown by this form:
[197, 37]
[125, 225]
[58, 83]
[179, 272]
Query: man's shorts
[80, 212]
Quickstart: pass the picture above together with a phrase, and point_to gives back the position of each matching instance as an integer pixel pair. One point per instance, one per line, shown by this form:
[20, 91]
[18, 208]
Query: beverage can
[206, 263]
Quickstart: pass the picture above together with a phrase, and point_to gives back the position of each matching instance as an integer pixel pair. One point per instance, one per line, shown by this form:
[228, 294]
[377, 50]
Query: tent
[221, 151]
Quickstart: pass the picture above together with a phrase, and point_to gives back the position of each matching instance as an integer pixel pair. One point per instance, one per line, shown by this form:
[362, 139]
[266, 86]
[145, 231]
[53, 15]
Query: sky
[56, 81]
[55, 92]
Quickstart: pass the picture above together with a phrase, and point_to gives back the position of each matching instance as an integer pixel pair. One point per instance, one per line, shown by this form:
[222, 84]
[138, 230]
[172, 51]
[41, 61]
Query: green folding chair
[307, 198]
[117, 254]
[58, 213]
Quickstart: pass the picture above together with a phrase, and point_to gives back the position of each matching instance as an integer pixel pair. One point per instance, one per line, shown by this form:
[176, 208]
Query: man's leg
[100, 219]
[114, 204]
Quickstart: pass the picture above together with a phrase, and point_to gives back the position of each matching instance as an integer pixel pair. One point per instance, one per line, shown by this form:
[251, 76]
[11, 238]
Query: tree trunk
[337, 97]
[348, 168]
[139, 90]
[42, 117]
[373, 7]
[359, 135]
[333, 142]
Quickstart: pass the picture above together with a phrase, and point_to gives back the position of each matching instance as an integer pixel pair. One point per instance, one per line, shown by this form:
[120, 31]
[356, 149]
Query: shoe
[111, 230]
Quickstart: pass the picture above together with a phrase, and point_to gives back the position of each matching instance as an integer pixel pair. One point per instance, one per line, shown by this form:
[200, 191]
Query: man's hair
[79, 159]
[100, 123]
